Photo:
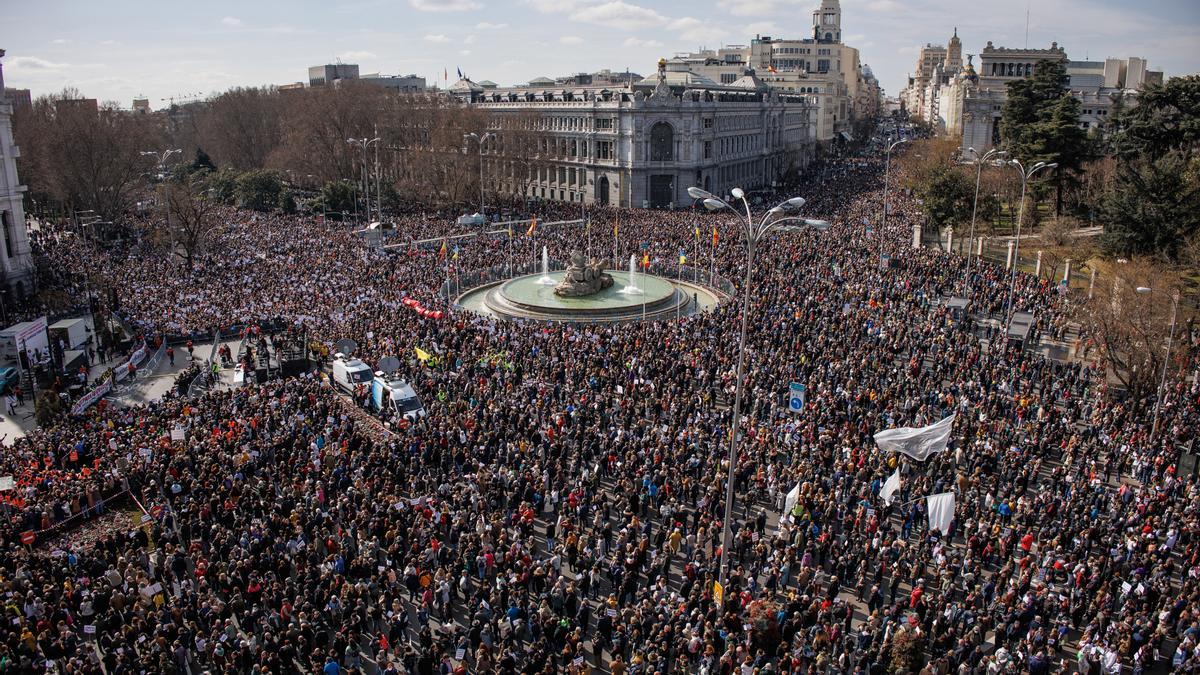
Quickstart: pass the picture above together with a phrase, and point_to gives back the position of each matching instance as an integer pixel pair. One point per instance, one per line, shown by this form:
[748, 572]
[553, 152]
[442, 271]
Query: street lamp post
[979, 162]
[1025, 176]
[1162, 383]
[754, 234]
[480, 140]
[363, 144]
[160, 159]
[887, 166]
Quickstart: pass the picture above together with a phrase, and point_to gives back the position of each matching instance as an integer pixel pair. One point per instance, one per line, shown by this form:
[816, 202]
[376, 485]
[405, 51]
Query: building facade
[644, 145]
[843, 89]
[16, 261]
[329, 74]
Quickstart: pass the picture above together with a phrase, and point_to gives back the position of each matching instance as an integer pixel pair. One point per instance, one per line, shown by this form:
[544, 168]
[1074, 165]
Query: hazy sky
[117, 49]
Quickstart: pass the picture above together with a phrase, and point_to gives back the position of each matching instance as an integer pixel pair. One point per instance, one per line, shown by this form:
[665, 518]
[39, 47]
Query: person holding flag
[532, 226]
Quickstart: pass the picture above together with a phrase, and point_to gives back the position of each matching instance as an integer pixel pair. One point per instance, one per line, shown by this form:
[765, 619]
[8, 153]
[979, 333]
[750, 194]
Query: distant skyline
[125, 48]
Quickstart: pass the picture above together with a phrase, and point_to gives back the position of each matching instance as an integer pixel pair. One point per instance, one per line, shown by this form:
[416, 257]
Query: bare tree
[85, 156]
[1131, 326]
[241, 127]
[194, 217]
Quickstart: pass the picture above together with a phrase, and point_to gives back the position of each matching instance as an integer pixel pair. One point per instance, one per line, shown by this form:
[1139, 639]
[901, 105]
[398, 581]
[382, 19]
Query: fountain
[631, 288]
[546, 280]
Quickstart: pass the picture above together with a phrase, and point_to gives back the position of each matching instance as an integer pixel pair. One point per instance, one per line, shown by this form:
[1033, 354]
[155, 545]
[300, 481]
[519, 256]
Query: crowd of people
[560, 507]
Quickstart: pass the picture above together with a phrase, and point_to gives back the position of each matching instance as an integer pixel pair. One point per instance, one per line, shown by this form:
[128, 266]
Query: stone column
[916, 239]
[1037, 268]
[1008, 260]
[950, 241]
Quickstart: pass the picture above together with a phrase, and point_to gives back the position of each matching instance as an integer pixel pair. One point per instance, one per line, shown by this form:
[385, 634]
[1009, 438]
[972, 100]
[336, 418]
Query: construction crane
[183, 98]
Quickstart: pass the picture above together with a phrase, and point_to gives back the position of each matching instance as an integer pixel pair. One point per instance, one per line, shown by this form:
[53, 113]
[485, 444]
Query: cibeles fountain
[589, 291]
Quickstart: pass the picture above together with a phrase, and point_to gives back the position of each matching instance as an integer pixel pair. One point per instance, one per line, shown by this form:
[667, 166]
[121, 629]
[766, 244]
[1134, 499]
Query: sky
[116, 50]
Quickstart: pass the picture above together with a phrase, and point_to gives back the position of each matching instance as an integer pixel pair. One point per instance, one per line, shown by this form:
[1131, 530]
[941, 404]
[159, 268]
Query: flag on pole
[714, 236]
[697, 232]
[917, 442]
[645, 261]
[532, 226]
[682, 257]
[455, 252]
[890, 487]
[442, 250]
[445, 74]
[941, 511]
[460, 73]
[616, 227]
[422, 354]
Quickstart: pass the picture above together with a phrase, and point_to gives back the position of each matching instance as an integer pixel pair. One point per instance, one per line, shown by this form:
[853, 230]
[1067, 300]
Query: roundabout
[631, 297]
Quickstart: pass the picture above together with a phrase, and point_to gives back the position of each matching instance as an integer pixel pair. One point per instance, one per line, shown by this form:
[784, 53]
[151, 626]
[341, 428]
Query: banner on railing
[122, 371]
[89, 399]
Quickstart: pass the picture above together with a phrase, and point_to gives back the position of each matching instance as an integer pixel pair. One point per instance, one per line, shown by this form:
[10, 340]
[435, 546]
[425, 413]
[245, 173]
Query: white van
[396, 397]
[349, 373]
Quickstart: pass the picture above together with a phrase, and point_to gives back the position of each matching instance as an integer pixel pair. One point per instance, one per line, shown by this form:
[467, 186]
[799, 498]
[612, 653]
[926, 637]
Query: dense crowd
[559, 509]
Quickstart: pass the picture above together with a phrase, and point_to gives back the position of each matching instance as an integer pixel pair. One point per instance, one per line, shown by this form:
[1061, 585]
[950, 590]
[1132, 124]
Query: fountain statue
[546, 279]
[631, 288]
[583, 277]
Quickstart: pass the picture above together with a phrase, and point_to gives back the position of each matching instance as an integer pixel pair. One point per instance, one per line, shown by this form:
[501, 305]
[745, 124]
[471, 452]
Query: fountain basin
[528, 298]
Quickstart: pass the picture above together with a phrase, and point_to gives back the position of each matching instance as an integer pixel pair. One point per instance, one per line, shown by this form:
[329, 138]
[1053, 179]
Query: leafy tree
[202, 162]
[336, 198]
[287, 201]
[1040, 123]
[259, 189]
[224, 185]
[948, 195]
[1152, 206]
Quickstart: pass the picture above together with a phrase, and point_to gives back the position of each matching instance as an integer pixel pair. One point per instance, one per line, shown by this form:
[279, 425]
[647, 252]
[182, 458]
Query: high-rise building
[16, 261]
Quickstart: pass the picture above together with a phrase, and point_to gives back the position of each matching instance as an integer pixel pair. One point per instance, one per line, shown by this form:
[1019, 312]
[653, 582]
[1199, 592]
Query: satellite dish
[346, 346]
[389, 364]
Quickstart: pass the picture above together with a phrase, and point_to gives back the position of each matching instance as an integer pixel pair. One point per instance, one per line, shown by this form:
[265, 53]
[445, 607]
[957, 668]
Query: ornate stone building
[16, 261]
[645, 143]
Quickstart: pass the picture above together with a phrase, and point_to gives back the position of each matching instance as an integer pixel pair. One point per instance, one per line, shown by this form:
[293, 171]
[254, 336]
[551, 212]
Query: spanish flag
[714, 236]
[422, 354]
[532, 226]
[442, 250]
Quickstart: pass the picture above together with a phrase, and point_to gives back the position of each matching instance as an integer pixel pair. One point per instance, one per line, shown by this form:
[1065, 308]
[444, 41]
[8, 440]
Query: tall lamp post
[754, 233]
[887, 166]
[364, 143]
[480, 140]
[1025, 176]
[979, 162]
[160, 159]
[1162, 383]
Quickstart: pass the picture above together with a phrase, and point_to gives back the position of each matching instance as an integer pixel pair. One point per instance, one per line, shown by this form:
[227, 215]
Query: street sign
[796, 393]
[28, 537]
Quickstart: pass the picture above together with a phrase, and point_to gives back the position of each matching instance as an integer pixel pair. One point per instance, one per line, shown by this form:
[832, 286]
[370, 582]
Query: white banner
[917, 442]
[890, 487]
[91, 397]
[941, 511]
[788, 502]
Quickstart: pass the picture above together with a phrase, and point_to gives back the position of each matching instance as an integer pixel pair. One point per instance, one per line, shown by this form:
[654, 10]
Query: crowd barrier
[120, 372]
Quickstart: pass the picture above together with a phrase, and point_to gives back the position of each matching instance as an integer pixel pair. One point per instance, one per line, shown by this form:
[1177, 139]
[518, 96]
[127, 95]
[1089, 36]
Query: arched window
[662, 143]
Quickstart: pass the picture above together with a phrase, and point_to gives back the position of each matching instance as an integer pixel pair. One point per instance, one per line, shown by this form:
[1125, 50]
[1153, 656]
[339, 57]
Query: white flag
[941, 511]
[890, 487]
[917, 442]
[789, 501]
